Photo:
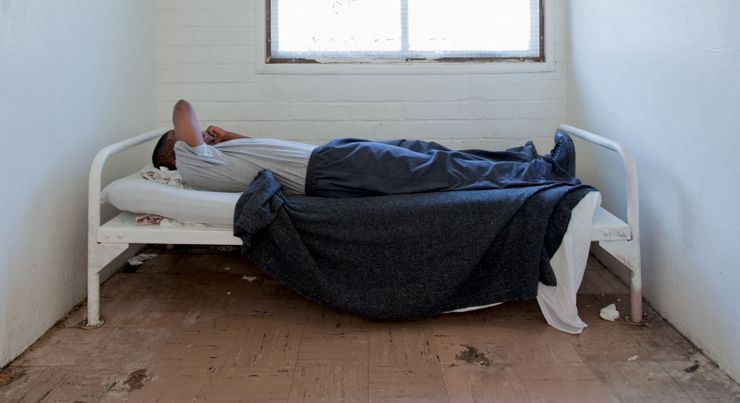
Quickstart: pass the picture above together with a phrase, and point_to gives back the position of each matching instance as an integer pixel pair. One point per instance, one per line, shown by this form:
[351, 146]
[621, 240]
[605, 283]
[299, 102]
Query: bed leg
[93, 302]
[98, 256]
[635, 266]
[635, 299]
[628, 253]
[93, 320]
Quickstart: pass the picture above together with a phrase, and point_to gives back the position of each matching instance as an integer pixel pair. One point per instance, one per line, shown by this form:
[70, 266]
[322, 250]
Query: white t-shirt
[232, 165]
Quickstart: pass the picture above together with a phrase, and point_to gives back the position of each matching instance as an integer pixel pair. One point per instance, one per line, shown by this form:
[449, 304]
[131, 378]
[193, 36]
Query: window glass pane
[319, 27]
[403, 30]
[473, 26]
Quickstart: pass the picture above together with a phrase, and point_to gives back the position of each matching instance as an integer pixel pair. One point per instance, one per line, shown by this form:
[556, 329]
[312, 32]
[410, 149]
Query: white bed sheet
[558, 304]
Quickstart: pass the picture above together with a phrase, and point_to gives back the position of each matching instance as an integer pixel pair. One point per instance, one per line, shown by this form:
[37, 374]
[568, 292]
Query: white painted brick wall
[206, 52]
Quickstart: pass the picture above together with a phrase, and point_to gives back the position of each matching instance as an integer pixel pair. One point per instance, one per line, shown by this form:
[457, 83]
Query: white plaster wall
[74, 76]
[661, 77]
[207, 50]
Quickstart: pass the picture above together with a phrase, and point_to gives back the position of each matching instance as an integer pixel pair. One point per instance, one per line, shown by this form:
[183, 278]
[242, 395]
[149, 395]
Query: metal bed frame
[106, 241]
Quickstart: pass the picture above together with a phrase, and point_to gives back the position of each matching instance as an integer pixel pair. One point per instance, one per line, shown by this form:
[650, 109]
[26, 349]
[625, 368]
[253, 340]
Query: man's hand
[214, 135]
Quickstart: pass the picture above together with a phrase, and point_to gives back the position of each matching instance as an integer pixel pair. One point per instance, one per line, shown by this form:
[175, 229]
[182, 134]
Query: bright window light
[470, 25]
[306, 27]
[403, 30]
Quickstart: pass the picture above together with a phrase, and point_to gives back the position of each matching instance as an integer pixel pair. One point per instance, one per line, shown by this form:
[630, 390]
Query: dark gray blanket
[403, 257]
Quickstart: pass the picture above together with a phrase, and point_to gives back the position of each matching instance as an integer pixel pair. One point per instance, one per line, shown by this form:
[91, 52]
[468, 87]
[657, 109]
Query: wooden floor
[191, 326]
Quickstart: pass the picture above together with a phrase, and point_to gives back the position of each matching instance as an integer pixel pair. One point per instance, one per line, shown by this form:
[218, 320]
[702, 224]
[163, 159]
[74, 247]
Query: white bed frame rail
[106, 241]
[620, 239]
[100, 254]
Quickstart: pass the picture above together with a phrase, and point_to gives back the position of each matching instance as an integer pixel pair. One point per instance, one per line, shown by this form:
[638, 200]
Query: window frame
[552, 20]
[270, 60]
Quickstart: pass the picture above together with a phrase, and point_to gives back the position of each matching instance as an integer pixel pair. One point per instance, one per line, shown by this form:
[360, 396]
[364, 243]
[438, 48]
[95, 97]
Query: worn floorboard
[201, 324]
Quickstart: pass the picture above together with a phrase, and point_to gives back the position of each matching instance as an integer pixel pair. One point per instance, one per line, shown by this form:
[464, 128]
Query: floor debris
[6, 378]
[609, 313]
[472, 356]
[633, 358]
[249, 278]
[139, 259]
[691, 369]
[138, 378]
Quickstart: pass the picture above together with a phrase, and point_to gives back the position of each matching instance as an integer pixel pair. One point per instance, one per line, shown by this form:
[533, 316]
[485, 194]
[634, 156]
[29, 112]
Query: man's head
[164, 151]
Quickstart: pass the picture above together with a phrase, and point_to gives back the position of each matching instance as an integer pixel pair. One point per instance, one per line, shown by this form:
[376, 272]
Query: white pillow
[135, 194]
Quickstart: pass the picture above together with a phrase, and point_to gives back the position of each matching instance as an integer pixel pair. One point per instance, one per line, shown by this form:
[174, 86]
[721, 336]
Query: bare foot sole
[184, 119]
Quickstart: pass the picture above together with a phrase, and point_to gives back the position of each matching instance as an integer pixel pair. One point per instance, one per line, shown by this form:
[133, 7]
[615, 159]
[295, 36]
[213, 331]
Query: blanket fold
[405, 257]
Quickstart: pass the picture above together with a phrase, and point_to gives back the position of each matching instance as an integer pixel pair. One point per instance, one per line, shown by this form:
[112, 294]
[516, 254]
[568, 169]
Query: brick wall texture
[207, 53]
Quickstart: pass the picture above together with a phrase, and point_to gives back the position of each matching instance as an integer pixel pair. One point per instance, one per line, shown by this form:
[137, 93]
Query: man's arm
[186, 124]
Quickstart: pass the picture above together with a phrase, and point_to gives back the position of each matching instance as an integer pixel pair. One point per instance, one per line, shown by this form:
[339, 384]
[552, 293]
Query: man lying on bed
[222, 161]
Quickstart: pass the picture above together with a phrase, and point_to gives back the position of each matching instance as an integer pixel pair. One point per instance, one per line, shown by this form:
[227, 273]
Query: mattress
[558, 304]
[138, 195]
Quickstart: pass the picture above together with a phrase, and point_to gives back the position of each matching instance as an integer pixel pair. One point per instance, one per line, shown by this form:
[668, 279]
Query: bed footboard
[626, 249]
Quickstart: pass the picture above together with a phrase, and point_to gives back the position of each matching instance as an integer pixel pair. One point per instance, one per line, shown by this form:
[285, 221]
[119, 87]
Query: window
[365, 31]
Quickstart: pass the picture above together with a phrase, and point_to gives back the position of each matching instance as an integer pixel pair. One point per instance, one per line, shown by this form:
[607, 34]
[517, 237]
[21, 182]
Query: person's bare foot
[185, 121]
